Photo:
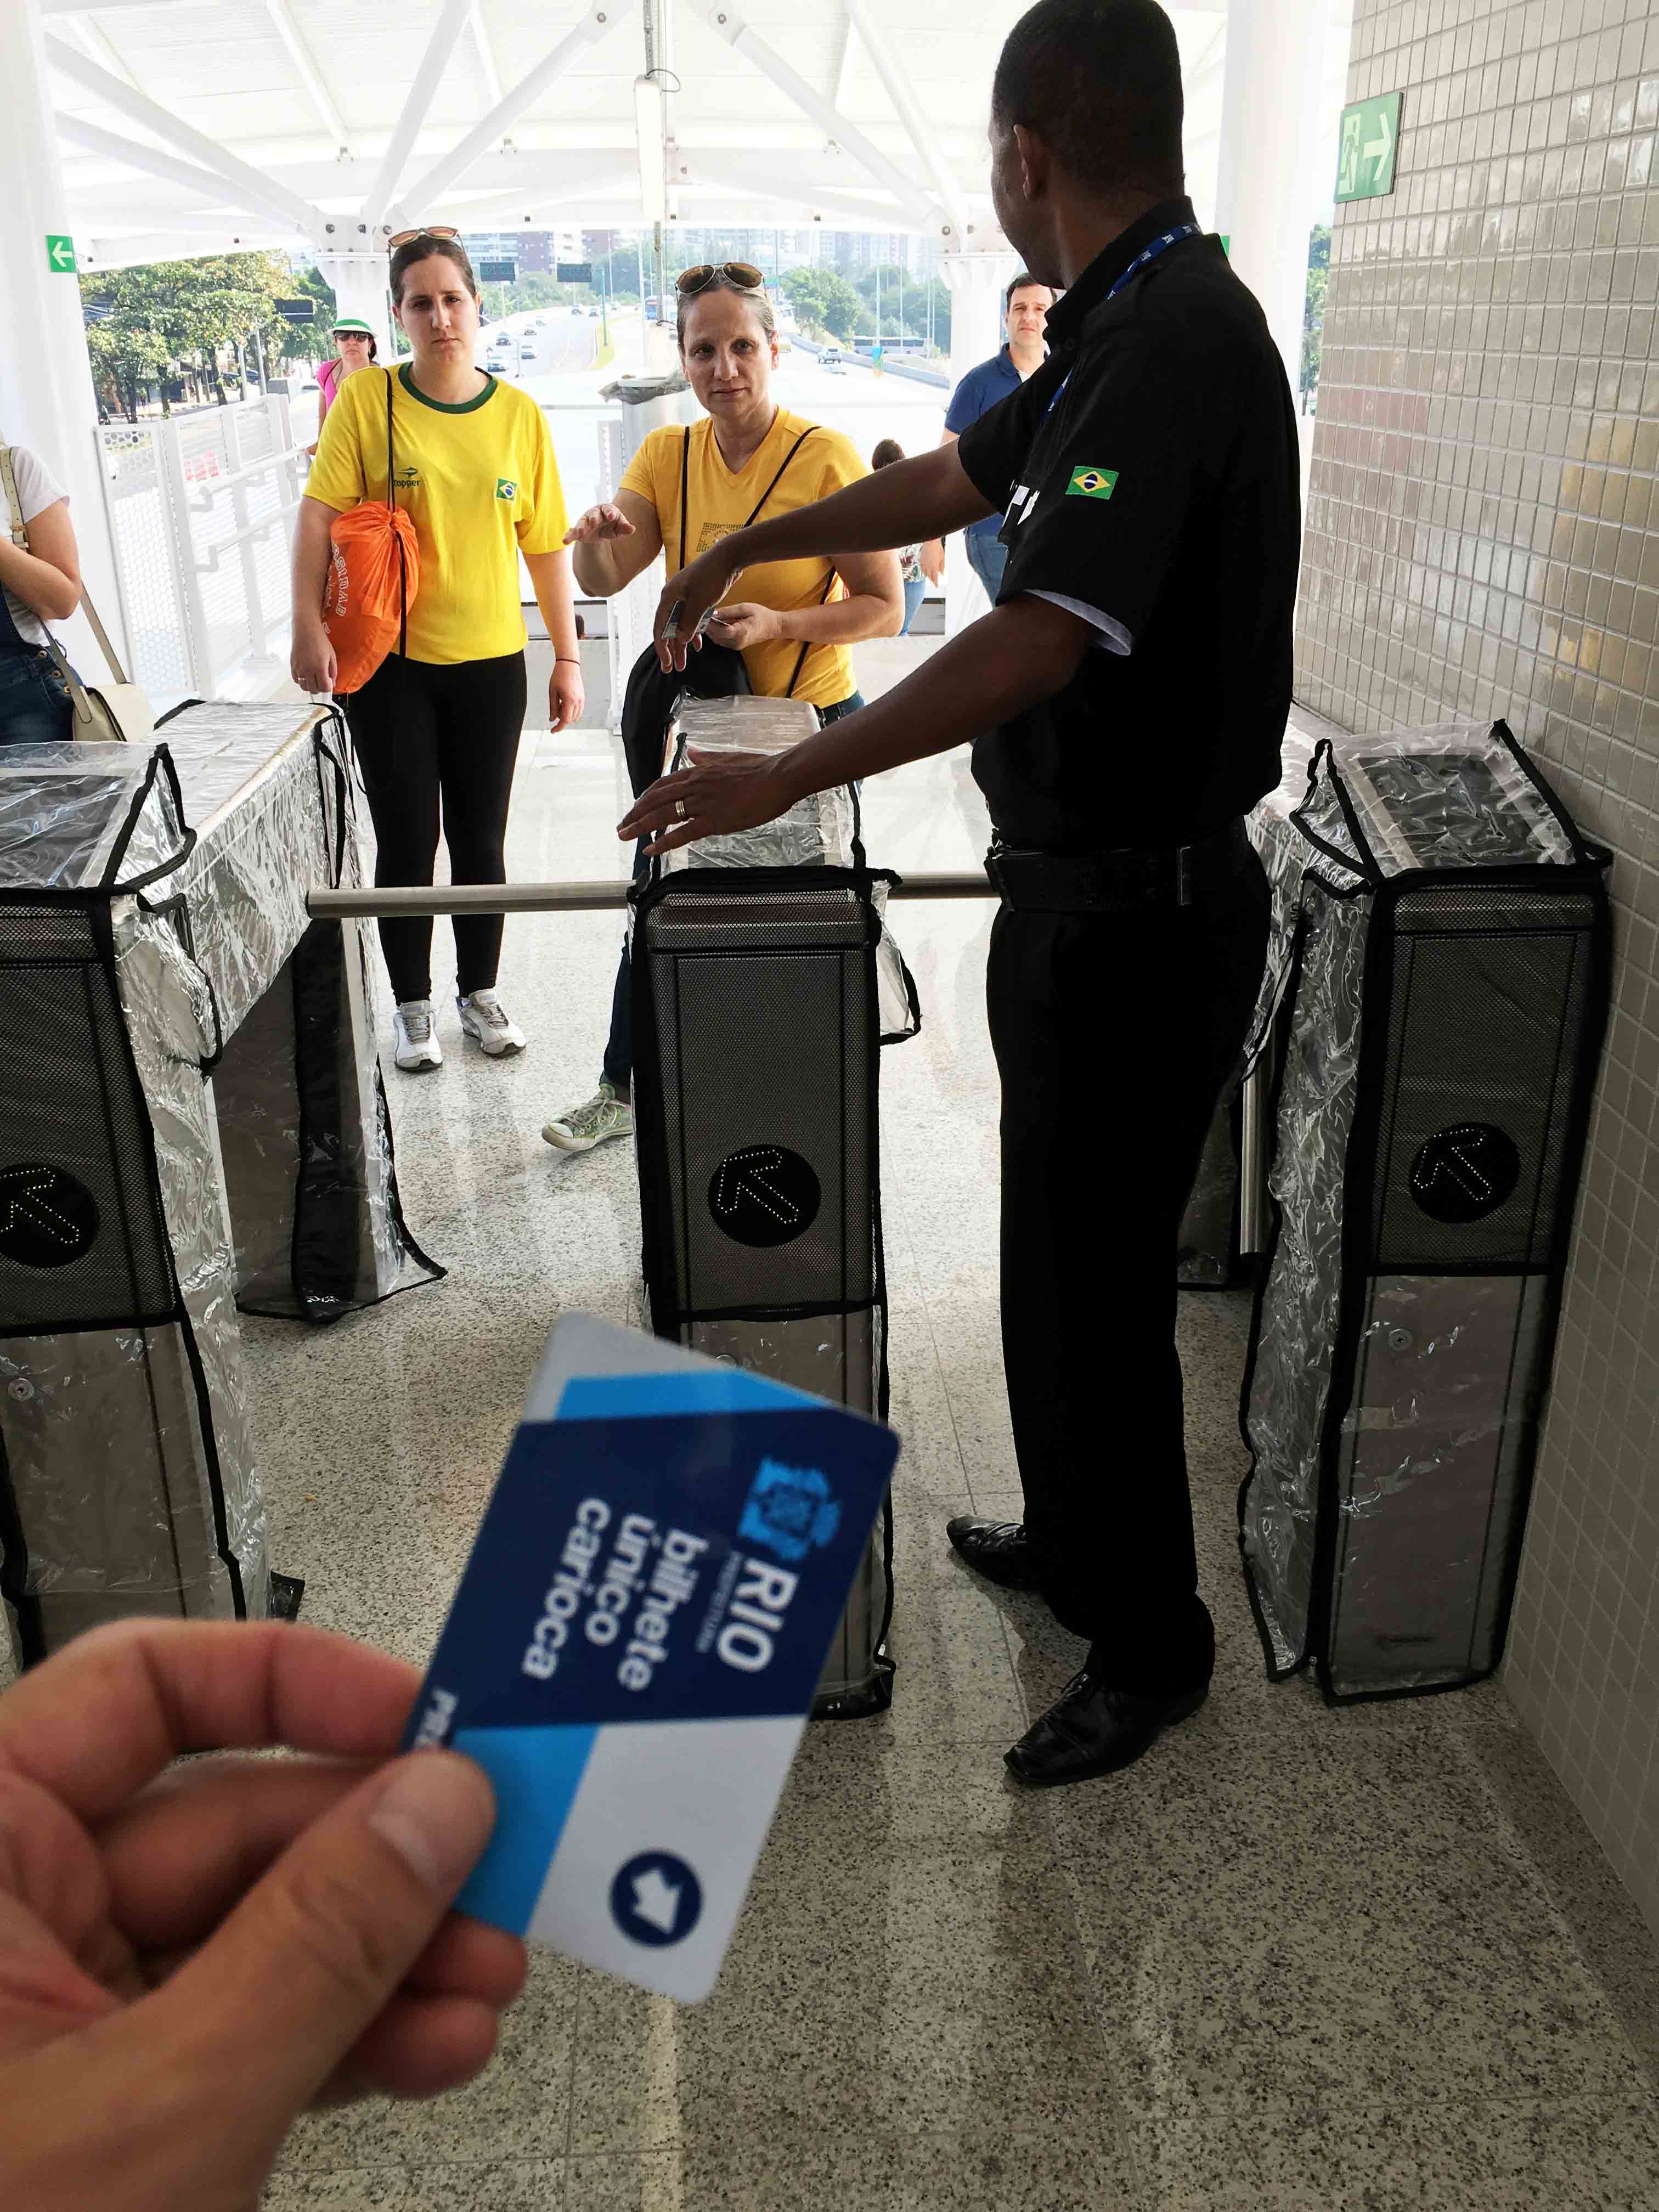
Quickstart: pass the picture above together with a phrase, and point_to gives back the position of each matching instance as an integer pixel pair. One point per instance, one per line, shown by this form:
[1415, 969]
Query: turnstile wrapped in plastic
[191, 1117]
[758, 1028]
[1440, 955]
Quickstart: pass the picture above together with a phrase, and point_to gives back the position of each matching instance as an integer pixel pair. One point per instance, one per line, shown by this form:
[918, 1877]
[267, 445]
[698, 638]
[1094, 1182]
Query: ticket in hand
[633, 1650]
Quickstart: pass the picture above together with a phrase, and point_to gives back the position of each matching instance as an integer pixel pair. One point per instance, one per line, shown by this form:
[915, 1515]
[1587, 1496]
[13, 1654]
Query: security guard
[1125, 697]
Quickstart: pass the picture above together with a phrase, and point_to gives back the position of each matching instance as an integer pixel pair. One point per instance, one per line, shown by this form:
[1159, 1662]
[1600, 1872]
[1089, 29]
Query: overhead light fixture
[649, 126]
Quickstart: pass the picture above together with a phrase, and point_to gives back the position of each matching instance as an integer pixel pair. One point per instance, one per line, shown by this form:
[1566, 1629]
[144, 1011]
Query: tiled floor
[1296, 1958]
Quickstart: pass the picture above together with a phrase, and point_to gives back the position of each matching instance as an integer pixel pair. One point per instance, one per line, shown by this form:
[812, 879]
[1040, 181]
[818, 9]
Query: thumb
[311, 1956]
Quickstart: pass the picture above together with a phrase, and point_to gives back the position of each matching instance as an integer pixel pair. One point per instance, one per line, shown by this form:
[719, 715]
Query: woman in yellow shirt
[436, 727]
[798, 618]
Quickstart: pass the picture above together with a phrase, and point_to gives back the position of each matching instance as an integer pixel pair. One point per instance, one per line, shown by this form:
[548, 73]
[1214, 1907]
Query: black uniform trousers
[1115, 1037]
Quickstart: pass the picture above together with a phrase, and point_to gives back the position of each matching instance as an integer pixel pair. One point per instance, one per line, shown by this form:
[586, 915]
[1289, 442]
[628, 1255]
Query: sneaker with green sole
[601, 1117]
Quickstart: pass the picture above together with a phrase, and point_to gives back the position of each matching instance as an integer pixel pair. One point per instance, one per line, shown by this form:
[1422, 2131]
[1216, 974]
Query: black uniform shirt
[1150, 475]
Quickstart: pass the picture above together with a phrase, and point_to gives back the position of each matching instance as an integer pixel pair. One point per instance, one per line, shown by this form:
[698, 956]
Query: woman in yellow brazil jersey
[436, 726]
[796, 619]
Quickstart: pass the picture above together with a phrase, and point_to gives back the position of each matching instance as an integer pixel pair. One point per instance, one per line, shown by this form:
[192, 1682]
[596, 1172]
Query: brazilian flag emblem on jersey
[1092, 483]
[506, 488]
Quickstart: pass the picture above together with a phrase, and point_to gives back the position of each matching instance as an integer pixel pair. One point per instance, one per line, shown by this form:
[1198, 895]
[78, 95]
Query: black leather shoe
[996, 1549]
[1092, 1729]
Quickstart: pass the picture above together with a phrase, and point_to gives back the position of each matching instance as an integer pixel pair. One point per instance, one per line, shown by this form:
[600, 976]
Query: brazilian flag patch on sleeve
[1092, 483]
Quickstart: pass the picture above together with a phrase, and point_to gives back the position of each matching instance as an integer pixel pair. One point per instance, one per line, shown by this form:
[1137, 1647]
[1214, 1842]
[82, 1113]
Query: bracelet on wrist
[570, 660]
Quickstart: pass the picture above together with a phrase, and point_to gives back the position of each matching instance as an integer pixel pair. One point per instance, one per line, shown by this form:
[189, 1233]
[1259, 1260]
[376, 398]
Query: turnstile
[1444, 930]
[758, 1028]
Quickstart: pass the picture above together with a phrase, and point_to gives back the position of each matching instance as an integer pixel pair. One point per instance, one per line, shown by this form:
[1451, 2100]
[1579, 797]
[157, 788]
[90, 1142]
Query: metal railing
[371, 901]
[200, 508]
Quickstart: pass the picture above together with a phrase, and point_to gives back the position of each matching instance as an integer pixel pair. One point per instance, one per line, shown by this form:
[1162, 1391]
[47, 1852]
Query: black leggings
[430, 731]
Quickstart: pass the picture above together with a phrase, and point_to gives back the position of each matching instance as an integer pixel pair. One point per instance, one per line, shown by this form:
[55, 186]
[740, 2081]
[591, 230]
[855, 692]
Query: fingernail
[436, 1811]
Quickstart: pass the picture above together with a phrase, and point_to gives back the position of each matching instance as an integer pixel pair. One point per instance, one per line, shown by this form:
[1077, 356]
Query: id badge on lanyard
[1159, 246]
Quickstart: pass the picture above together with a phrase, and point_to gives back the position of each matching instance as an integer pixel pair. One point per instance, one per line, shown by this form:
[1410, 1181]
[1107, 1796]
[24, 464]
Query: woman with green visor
[354, 349]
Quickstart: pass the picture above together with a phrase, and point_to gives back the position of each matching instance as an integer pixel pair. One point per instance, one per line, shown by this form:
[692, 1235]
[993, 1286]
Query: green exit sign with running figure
[1366, 151]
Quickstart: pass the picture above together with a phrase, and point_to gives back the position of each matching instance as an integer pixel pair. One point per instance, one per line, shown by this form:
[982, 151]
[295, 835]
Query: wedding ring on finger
[680, 808]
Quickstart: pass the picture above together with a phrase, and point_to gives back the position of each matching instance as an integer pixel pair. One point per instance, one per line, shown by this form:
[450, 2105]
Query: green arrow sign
[1366, 151]
[60, 254]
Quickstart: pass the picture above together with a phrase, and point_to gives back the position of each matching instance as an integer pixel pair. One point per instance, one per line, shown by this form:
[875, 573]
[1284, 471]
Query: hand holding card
[634, 1647]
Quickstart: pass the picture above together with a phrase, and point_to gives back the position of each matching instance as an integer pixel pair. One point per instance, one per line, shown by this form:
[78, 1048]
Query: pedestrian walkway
[1296, 1961]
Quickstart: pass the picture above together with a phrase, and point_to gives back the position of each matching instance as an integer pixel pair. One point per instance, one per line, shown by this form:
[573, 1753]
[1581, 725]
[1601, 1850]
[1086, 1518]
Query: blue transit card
[633, 1650]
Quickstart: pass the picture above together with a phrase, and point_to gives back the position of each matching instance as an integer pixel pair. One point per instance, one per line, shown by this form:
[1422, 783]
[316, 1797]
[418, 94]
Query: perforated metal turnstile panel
[757, 1055]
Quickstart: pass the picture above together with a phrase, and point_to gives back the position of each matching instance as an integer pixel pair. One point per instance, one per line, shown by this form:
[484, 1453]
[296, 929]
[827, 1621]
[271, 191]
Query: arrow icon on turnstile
[743, 1176]
[1380, 148]
[28, 1207]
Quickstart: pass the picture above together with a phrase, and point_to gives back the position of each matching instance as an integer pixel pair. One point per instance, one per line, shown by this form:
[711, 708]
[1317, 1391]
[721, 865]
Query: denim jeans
[34, 700]
[988, 557]
[619, 1067]
[915, 593]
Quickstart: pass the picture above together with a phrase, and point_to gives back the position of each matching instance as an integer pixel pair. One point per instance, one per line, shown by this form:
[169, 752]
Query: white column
[359, 280]
[977, 282]
[1267, 182]
[46, 398]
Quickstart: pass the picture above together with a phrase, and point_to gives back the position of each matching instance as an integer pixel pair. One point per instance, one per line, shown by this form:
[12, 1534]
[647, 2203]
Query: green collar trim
[445, 406]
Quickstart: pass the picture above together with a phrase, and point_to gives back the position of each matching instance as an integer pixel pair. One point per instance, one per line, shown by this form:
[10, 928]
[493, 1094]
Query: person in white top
[39, 582]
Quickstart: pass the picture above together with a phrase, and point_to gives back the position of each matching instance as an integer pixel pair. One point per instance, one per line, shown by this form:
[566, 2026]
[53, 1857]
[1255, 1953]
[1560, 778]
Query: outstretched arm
[930, 496]
[1023, 651]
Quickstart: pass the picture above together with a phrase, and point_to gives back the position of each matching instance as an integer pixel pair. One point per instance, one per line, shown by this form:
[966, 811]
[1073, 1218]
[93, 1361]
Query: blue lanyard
[1159, 246]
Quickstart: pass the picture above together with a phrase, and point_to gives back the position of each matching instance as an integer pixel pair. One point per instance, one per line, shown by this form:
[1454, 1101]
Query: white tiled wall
[1483, 539]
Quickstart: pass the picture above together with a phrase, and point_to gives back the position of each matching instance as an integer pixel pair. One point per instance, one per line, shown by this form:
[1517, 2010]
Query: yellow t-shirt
[720, 502]
[481, 482]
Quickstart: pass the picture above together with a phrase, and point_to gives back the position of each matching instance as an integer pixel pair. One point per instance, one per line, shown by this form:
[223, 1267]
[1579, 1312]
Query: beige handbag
[117, 712]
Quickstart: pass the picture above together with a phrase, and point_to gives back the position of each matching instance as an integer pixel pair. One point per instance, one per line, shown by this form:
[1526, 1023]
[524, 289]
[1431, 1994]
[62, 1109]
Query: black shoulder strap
[778, 479]
[392, 505]
[806, 646]
[685, 473]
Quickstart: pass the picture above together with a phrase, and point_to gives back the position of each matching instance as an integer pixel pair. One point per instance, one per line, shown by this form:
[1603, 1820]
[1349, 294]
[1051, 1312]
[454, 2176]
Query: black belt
[1112, 882]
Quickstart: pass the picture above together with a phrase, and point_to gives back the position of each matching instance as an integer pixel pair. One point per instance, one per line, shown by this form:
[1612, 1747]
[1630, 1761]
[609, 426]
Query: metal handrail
[367, 901]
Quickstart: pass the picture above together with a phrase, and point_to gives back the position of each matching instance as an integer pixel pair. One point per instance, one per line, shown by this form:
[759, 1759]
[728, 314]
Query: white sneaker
[416, 1047]
[603, 1115]
[485, 1021]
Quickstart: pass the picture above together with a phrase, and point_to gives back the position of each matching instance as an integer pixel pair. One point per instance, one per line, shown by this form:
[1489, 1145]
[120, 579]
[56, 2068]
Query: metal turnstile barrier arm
[368, 902]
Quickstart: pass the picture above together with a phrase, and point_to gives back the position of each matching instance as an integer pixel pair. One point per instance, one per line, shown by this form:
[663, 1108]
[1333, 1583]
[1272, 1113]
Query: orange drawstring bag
[374, 573]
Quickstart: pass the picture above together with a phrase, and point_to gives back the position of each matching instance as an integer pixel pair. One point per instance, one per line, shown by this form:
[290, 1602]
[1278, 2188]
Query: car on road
[577, 309]
[832, 359]
[593, 312]
[527, 351]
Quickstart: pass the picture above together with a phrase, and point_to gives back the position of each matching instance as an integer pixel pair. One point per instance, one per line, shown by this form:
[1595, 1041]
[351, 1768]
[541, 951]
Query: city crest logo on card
[790, 1510]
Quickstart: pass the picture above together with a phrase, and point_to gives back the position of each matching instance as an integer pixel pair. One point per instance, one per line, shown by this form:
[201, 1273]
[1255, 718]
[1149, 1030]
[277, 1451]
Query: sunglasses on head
[427, 230]
[742, 273]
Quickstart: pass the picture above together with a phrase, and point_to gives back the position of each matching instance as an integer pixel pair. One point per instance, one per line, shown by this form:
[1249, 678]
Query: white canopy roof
[188, 125]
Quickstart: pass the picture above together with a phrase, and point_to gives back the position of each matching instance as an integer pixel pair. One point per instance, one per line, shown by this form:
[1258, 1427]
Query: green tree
[165, 313]
[824, 301]
[285, 342]
[1313, 312]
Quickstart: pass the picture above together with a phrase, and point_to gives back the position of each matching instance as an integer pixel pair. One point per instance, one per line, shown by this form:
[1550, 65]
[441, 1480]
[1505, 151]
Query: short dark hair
[428, 248]
[1025, 283]
[1099, 82]
[886, 453]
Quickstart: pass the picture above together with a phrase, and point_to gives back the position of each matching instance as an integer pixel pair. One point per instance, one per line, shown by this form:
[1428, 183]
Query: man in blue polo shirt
[1025, 314]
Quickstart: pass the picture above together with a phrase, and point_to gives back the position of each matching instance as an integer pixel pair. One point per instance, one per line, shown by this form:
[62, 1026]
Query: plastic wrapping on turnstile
[1398, 1357]
[128, 1480]
[759, 1011]
[821, 830]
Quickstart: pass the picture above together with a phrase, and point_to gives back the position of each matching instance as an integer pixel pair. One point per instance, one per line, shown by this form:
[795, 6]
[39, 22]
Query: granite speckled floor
[1296, 1961]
